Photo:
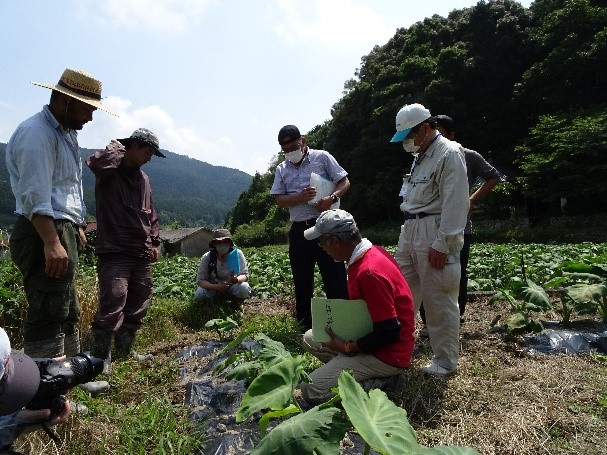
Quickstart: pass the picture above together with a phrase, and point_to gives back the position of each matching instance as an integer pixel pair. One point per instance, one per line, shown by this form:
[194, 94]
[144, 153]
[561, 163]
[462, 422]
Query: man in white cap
[45, 169]
[127, 241]
[374, 277]
[435, 207]
[19, 379]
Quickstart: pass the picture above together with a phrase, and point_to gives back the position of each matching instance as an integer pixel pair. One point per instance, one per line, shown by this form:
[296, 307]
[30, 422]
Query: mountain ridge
[186, 191]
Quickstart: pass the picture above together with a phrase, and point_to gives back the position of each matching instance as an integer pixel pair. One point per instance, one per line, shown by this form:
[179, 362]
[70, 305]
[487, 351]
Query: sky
[214, 79]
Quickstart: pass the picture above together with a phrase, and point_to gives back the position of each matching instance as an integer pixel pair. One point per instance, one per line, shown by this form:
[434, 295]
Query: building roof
[176, 235]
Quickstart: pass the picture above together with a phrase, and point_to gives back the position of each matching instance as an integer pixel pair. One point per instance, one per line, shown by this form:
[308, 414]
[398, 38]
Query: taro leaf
[265, 419]
[222, 325]
[382, 424]
[517, 321]
[245, 370]
[555, 282]
[587, 297]
[272, 389]
[577, 267]
[586, 277]
[236, 341]
[273, 351]
[582, 292]
[317, 432]
[535, 297]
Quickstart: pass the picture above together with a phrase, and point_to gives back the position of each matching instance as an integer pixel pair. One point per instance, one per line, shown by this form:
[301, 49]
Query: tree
[565, 157]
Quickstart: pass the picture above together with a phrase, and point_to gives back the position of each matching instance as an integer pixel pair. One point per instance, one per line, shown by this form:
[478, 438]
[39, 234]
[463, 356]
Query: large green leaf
[535, 297]
[272, 389]
[382, 424]
[316, 432]
[582, 292]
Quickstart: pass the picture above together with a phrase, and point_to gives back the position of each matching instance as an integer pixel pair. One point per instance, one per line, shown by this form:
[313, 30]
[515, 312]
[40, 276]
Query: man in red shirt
[373, 276]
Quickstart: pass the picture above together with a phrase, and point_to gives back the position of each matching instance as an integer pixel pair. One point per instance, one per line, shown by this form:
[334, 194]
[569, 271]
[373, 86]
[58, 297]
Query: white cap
[330, 222]
[409, 116]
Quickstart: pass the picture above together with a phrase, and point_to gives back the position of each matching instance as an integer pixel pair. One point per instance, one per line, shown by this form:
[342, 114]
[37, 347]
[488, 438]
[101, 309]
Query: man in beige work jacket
[435, 206]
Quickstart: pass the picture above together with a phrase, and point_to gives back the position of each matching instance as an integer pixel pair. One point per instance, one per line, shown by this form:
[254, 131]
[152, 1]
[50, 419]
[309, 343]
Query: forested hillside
[527, 89]
[185, 190]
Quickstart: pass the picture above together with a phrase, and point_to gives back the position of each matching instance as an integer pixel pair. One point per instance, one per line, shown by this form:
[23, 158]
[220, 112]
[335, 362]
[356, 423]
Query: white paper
[323, 187]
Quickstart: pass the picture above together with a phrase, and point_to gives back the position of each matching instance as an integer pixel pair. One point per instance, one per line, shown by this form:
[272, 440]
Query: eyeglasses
[324, 239]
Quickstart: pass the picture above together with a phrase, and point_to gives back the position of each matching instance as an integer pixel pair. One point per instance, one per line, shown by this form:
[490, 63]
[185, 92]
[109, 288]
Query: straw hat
[80, 85]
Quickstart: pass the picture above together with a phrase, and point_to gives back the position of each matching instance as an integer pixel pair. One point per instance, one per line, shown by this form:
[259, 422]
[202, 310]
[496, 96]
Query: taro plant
[524, 299]
[275, 374]
[221, 326]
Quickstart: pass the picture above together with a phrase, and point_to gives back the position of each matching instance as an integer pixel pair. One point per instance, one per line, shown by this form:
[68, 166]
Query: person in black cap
[19, 381]
[292, 188]
[126, 243]
[477, 168]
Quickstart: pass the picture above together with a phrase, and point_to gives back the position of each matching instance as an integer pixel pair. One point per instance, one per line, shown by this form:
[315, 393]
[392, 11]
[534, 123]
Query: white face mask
[409, 146]
[222, 248]
[295, 156]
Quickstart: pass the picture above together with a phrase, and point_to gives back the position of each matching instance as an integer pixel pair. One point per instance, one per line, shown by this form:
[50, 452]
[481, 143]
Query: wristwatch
[335, 197]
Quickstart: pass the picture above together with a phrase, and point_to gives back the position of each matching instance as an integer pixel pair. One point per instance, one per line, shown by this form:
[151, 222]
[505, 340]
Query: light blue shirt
[45, 169]
[290, 179]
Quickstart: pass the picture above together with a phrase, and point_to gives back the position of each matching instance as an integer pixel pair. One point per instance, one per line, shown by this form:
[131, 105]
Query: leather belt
[417, 216]
[308, 223]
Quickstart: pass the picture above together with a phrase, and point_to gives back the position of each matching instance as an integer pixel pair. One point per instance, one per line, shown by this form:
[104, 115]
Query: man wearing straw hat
[45, 169]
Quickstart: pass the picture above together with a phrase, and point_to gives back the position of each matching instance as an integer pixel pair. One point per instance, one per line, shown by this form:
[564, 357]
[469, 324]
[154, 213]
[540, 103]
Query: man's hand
[335, 344]
[82, 236]
[437, 259]
[42, 415]
[307, 194]
[222, 287]
[55, 259]
[324, 204]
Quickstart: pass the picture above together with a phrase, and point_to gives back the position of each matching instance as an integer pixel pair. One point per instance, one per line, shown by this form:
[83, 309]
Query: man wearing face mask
[291, 189]
[435, 207]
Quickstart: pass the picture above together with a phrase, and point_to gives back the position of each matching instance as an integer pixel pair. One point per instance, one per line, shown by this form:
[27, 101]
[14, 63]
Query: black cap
[288, 134]
[445, 122]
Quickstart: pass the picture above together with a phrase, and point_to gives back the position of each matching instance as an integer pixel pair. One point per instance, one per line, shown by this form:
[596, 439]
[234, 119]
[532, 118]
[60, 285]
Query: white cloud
[335, 23]
[167, 16]
[183, 140]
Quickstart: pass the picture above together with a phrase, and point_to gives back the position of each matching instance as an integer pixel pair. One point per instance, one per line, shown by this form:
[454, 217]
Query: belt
[417, 216]
[308, 223]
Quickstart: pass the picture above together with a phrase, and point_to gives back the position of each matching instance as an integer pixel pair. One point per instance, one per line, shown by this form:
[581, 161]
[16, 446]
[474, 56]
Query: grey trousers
[438, 289]
[363, 366]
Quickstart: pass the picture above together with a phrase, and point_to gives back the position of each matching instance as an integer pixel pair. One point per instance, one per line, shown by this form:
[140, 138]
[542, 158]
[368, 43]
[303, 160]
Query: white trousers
[438, 289]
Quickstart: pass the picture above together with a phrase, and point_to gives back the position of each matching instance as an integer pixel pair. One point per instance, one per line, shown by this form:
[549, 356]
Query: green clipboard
[349, 319]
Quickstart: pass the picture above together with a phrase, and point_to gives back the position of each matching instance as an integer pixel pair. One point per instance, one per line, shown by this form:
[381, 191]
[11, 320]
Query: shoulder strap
[213, 262]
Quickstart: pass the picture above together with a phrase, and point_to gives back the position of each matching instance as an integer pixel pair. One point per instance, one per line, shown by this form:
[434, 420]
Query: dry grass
[505, 401]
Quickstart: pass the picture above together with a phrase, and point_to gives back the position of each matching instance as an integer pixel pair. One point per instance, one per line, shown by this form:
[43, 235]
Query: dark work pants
[464, 255]
[125, 291]
[53, 306]
[304, 255]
